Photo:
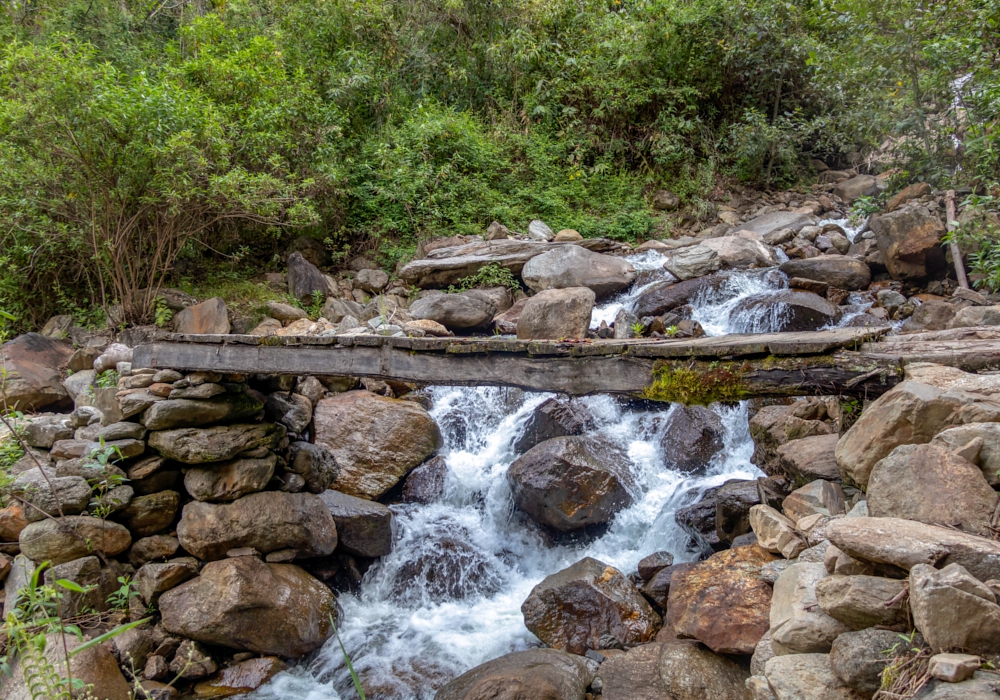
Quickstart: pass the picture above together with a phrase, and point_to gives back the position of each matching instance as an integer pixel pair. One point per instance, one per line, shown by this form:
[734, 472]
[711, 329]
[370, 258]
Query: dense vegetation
[136, 131]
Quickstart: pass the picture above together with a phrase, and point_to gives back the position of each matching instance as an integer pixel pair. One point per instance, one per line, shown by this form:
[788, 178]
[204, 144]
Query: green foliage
[107, 379]
[489, 275]
[980, 235]
[120, 598]
[162, 314]
[638, 329]
[347, 660]
[862, 208]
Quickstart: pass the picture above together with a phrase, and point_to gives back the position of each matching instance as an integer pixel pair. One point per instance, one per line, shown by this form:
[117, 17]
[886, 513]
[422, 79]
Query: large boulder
[208, 317]
[906, 543]
[910, 242]
[557, 314]
[662, 297]
[929, 484]
[459, 311]
[215, 444]
[863, 601]
[305, 279]
[815, 497]
[375, 440]
[858, 658]
[976, 316]
[776, 532]
[589, 605]
[95, 667]
[570, 482]
[698, 520]
[245, 604]
[59, 540]
[692, 262]
[798, 624]
[691, 672]
[773, 426]
[691, 437]
[191, 413]
[426, 483]
[442, 567]
[775, 221]
[573, 266]
[909, 413]
[785, 310]
[855, 187]
[953, 610]
[524, 675]
[741, 251]
[722, 602]
[155, 578]
[987, 456]
[551, 419]
[32, 364]
[364, 528]
[267, 521]
[806, 677]
[810, 458]
[839, 271]
[633, 675]
[230, 480]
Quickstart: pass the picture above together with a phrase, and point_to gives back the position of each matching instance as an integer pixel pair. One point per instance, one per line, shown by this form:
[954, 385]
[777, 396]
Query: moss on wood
[697, 383]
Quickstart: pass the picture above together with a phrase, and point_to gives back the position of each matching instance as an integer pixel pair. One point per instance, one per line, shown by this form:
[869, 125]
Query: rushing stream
[449, 595]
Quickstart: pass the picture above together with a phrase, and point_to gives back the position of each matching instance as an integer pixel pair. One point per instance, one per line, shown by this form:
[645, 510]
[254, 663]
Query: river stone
[192, 413]
[426, 483]
[650, 565]
[47, 540]
[553, 418]
[152, 548]
[733, 502]
[46, 492]
[840, 271]
[632, 675]
[905, 543]
[589, 605]
[855, 187]
[806, 677]
[240, 678]
[657, 589]
[953, 610]
[229, 480]
[536, 673]
[85, 572]
[982, 686]
[721, 601]
[95, 667]
[738, 251]
[571, 482]
[929, 484]
[692, 436]
[775, 221]
[246, 604]
[12, 521]
[154, 579]
[33, 364]
[910, 242]
[817, 497]
[988, 455]
[774, 426]
[574, 266]
[698, 520]
[293, 411]
[909, 413]
[375, 440]
[953, 668]
[216, 444]
[45, 430]
[810, 458]
[776, 532]
[557, 314]
[662, 297]
[209, 317]
[863, 601]
[335, 310]
[268, 521]
[304, 279]
[148, 515]
[976, 316]
[788, 310]
[364, 528]
[692, 262]
[455, 311]
[314, 463]
[798, 624]
[858, 658]
[443, 568]
[691, 672]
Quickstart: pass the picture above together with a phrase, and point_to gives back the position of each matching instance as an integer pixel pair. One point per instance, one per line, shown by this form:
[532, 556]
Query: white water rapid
[449, 595]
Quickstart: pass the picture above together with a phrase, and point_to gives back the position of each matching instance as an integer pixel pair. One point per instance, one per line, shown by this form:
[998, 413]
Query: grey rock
[455, 311]
[154, 579]
[553, 418]
[314, 463]
[152, 513]
[46, 492]
[692, 262]
[953, 610]
[798, 624]
[229, 480]
[191, 413]
[60, 540]
[548, 673]
[839, 271]
[863, 601]
[786, 310]
[215, 444]
[691, 672]
[988, 456]
[364, 528]
[557, 314]
[294, 411]
[574, 266]
[806, 677]
[208, 317]
[540, 231]
[858, 658]
[305, 279]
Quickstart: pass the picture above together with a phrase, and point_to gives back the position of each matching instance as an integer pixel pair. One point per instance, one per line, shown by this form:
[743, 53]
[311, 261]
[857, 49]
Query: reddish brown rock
[722, 602]
[240, 678]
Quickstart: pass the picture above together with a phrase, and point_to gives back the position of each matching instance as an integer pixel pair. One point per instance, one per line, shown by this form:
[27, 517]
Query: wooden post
[956, 252]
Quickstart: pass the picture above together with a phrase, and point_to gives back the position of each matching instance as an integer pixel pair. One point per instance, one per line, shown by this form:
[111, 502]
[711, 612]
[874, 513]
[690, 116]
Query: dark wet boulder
[426, 483]
[910, 242]
[840, 271]
[692, 435]
[698, 520]
[364, 527]
[447, 568]
[785, 310]
[455, 311]
[589, 605]
[305, 279]
[656, 561]
[553, 418]
[542, 674]
[570, 482]
[665, 296]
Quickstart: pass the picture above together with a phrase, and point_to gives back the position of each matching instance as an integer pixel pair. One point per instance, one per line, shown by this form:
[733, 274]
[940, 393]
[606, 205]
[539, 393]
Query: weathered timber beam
[684, 380]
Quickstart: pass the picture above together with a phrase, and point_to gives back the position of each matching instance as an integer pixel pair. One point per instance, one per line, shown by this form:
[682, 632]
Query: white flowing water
[449, 595]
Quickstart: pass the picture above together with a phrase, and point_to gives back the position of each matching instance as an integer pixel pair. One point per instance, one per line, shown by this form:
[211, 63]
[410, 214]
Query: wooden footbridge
[862, 362]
